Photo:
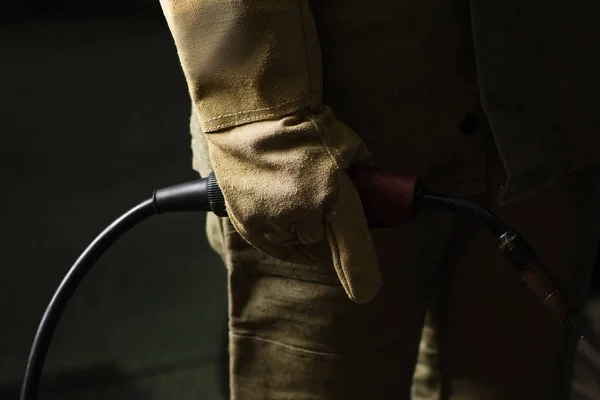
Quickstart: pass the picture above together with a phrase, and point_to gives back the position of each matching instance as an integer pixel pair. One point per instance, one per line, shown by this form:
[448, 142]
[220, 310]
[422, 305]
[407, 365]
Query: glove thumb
[354, 256]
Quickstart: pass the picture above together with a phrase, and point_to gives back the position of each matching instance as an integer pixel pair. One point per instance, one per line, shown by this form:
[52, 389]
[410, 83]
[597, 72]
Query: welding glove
[279, 155]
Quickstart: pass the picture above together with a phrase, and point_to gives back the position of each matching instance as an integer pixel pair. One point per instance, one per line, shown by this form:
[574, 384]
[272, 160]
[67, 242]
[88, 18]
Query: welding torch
[389, 199]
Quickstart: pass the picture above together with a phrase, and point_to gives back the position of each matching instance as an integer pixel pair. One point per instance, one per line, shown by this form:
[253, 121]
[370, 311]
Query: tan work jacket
[421, 81]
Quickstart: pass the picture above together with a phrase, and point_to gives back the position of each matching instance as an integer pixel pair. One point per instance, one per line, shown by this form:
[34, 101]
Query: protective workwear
[287, 194]
[434, 88]
[279, 154]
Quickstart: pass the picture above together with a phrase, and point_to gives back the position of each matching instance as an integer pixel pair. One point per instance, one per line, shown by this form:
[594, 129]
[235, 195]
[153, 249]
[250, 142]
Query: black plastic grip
[216, 200]
[199, 195]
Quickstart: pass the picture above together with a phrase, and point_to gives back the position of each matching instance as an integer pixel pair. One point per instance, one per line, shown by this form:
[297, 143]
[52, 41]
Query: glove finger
[354, 256]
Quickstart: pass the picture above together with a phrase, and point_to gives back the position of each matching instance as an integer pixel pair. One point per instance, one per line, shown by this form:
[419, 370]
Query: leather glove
[279, 154]
[288, 195]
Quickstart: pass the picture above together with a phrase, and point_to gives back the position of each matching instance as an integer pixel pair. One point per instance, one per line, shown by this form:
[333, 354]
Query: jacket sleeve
[246, 60]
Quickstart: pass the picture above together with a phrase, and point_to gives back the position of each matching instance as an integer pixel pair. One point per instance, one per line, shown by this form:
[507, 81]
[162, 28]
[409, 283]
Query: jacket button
[469, 124]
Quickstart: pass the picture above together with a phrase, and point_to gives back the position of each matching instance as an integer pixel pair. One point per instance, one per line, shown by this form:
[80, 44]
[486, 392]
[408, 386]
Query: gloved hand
[254, 72]
[287, 193]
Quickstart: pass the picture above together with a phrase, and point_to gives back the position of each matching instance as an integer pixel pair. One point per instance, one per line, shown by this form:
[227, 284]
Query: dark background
[94, 113]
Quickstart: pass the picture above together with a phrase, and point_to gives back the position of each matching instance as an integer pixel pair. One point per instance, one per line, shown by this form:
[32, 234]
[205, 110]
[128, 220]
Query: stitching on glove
[320, 129]
[335, 207]
[325, 139]
[250, 111]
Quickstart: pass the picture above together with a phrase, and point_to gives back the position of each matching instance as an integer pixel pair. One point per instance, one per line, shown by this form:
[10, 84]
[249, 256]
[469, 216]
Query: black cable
[67, 288]
[205, 195]
[199, 195]
[424, 199]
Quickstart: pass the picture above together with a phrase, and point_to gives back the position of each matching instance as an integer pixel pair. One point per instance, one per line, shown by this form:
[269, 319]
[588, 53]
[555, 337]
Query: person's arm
[279, 154]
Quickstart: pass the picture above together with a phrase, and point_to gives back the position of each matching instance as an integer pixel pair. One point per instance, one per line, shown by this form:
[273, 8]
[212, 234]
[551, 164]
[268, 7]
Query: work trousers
[294, 334]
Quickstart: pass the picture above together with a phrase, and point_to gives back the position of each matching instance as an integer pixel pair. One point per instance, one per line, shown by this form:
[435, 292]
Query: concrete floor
[95, 116]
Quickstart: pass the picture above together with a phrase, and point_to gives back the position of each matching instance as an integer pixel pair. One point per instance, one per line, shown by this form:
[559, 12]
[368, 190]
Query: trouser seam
[368, 353]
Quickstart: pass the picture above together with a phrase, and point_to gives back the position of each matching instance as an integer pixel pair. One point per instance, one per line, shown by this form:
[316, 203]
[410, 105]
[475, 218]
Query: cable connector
[199, 195]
